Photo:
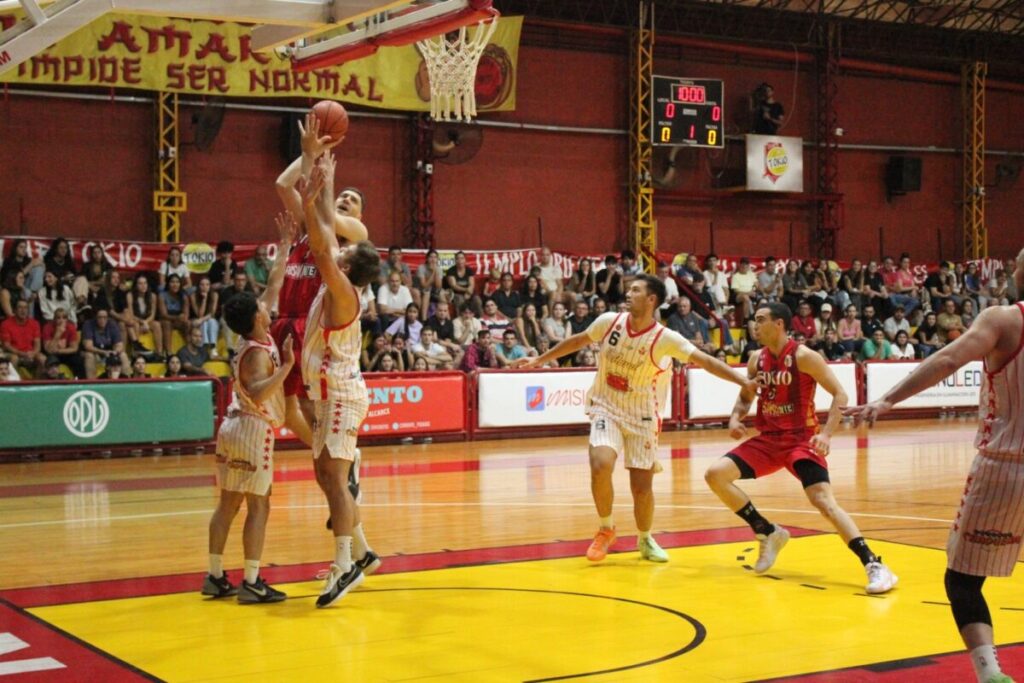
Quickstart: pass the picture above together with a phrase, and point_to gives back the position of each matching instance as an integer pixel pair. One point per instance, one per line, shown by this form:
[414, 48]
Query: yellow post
[169, 202]
[644, 235]
[973, 214]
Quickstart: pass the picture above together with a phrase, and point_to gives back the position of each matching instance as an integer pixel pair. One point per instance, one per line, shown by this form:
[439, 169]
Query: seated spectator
[542, 347]
[18, 260]
[998, 290]
[480, 353]
[239, 283]
[113, 369]
[851, 336]
[139, 368]
[583, 284]
[394, 264]
[204, 307]
[173, 265]
[59, 259]
[600, 307]
[875, 292]
[467, 326]
[742, 285]
[400, 347]
[950, 324]
[533, 293]
[257, 269]
[393, 300]
[902, 349]
[690, 325]
[690, 271]
[90, 279]
[14, 290]
[420, 365]
[56, 295]
[7, 371]
[408, 326]
[444, 328]
[769, 281]
[939, 287]
[173, 309]
[876, 348]
[141, 316]
[432, 353]
[372, 353]
[223, 271]
[898, 322]
[671, 288]
[852, 286]
[1012, 291]
[368, 311]
[507, 298]
[492, 284]
[528, 328]
[957, 283]
[460, 281]
[794, 288]
[556, 327]
[716, 283]
[609, 282]
[52, 371]
[510, 349]
[700, 293]
[581, 318]
[586, 358]
[173, 367]
[494, 320]
[721, 355]
[814, 285]
[22, 341]
[803, 321]
[387, 363]
[550, 276]
[113, 297]
[628, 266]
[869, 322]
[801, 339]
[967, 312]
[831, 349]
[62, 342]
[974, 286]
[194, 354]
[902, 287]
[101, 342]
[928, 338]
[824, 323]
[430, 281]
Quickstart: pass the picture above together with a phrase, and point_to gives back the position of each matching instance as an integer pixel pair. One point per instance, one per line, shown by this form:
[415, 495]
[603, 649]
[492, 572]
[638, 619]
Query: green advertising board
[105, 413]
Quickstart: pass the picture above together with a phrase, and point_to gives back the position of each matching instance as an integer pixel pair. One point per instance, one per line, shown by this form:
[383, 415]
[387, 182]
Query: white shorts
[638, 450]
[986, 536]
[245, 455]
[336, 427]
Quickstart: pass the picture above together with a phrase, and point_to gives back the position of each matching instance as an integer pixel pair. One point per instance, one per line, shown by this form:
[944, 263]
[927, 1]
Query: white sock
[643, 535]
[252, 571]
[986, 665]
[359, 544]
[343, 553]
[216, 566]
[607, 523]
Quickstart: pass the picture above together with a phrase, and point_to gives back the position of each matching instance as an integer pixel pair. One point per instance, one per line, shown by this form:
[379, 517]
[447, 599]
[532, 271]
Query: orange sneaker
[598, 550]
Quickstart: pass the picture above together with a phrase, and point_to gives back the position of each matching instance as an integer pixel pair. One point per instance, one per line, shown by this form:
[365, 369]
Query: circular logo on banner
[86, 414]
[198, 257]
[776, 161]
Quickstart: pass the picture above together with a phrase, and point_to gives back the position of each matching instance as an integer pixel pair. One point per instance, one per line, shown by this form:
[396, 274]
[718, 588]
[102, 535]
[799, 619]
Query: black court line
[817, 588]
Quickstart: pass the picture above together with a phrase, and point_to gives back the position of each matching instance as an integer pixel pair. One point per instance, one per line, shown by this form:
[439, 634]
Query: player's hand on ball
[821, 444]
[737, 429]
[313, 143]
[287, 355]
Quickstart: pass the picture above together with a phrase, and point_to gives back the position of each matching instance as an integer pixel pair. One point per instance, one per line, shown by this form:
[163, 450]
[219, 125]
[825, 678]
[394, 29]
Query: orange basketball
[333, 119]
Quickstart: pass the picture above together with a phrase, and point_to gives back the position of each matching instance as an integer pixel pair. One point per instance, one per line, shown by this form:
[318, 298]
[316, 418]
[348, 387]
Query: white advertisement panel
[775, 163]
[709, 396]
[526, 399]
[959, 389]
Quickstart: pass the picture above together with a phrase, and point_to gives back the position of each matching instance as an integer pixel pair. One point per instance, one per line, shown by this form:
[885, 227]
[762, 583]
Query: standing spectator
[480, 353]
[494, 320]
[223, 270]
[509, 350]
[550, 276]
[59, 259]
[851, 336]
[870, 322]
[142, 310]
[742, 285]
[584, 282]
[408, 326]
[671, 288]
[528, 328]
[18, 259]
[831, 349]
[507, 298]
[556, 327]
[609, 282]
[939, 287]
[173, 310]
[903, 290]
[803, 321]
[62, 341]
[794, 289]
[393, 300]
[581, 318]
[768, 114]
[853, 285]
[875, 292]
[22, 339]
[55, 295]
[173, 265]
[876, 348]
[239, 284]
[896, 324]
[101, 341]
[467, 326]
[430, 280]
[769, 281]
[257, 269]
[902, 349]
[431, 352]
[203, 305]
[951, 326]
[928, 338]
[533, 293]
[193, 355]
[14, 290]
[461, 283]
[139, 368]
[88, 283]
[173, 366]
[716, 283]
[690, 325]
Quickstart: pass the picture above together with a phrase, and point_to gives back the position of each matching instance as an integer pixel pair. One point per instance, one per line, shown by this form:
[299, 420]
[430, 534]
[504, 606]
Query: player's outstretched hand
[287, 228]
[524, 363]
[821, 443]
[869, 412]
[310, 188]
[328, 164]
[313, 143]
[737, 429]
[287, 355]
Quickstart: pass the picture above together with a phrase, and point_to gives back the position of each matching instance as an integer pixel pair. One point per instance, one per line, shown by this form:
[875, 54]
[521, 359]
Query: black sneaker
[369, 563]
[218, 588]
[260, 591]
[338, 584]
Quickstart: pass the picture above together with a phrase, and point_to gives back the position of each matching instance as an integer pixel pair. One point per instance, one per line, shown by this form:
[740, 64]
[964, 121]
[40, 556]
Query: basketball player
[245, 442]
[330, 368]
[986, 536]
[790, 438]
[302, 279]
[632, 380]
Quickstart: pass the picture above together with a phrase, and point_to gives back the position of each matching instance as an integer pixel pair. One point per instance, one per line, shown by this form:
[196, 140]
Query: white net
[451, 65]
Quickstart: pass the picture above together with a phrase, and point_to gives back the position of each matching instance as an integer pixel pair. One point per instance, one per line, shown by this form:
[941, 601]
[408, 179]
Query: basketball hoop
[451, 66]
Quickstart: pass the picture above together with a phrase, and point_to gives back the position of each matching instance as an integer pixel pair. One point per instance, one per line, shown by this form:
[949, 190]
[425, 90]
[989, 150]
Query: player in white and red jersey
[245, 441]
[330, 367]
[302, 278]
[633, 372]
[985, 539]
[790, 438]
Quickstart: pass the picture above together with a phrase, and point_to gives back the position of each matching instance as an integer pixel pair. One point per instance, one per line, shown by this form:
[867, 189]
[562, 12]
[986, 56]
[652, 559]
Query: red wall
[85, 168]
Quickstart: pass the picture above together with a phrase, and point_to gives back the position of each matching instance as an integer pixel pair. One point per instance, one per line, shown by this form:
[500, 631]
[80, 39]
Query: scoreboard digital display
[687, 111]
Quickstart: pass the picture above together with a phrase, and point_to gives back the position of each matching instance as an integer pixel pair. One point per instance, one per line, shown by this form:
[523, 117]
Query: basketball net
[451, 66]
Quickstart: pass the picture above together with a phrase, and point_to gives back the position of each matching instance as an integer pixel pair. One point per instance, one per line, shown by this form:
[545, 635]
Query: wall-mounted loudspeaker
[903, 174]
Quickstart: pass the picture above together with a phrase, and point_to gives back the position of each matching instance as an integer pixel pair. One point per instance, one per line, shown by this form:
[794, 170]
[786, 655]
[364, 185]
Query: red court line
[42, 596]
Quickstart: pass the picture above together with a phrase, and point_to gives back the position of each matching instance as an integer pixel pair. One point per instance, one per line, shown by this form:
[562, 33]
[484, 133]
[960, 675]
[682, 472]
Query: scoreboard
[687, 111]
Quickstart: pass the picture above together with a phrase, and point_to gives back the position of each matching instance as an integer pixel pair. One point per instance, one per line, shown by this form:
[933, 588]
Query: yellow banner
[216, 59]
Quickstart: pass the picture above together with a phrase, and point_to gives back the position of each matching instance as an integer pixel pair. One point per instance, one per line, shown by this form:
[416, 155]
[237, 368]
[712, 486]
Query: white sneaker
[770, 547]
[880, 578]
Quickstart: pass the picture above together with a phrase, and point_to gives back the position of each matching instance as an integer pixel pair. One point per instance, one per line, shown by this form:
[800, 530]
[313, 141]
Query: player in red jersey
[302, 279]
[790, 437]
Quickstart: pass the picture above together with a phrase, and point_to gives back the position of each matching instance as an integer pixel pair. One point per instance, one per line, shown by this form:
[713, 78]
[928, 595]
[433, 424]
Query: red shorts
[279, 329]
[768, 453]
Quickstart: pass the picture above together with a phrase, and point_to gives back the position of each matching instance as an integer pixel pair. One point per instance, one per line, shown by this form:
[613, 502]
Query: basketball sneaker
[650, 550]
[260, 591]
[369, 563]
[603, 540]
[999, 678]
[338, 584]
[880, 578]
[218, 588]
[770, 547]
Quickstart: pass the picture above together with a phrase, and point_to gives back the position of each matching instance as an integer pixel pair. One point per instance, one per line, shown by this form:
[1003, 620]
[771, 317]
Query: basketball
[333, 119]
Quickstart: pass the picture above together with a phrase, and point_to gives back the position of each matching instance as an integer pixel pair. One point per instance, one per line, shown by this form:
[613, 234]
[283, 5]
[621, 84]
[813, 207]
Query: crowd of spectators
[94, 321]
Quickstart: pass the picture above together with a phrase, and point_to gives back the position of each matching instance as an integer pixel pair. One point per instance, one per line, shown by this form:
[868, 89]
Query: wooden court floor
[484, 577]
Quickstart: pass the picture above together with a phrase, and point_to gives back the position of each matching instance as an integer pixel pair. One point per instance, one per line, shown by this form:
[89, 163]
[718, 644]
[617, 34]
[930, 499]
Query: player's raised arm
[287, 230]
[594, 333]
[313, 145]
[980, 339]
[257, 375]
[814, 365]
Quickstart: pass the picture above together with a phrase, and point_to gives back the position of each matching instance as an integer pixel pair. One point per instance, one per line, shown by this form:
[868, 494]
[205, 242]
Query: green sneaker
[650, 550]
[999, 678]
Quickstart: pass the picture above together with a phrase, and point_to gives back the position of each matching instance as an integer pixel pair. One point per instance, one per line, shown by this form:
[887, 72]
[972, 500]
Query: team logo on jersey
[534, 399]
[775, 378]
[788, 361]
[991, 537]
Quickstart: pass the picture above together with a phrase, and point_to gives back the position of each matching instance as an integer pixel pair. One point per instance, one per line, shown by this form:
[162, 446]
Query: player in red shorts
[790, 438]
[302, 279]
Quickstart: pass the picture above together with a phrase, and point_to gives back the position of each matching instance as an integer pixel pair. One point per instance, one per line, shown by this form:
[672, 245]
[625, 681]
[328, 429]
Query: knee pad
[810, 473]
[966, 600]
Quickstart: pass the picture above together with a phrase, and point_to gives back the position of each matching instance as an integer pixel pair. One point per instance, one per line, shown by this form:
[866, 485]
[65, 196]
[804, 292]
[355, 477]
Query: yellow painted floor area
[702, 617]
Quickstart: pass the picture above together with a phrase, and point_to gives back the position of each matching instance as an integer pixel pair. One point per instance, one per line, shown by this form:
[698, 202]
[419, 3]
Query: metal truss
[421, 228]
[973, 210]
[169, 202]
[641, 189]
[830, 202]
